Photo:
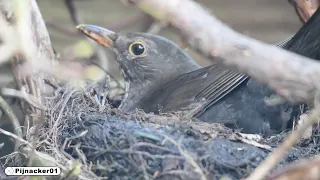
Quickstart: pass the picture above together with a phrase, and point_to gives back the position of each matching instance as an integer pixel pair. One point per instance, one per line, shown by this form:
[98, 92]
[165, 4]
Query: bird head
[141, 56]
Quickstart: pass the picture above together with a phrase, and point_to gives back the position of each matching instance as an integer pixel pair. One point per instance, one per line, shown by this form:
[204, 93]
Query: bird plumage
[164, 78]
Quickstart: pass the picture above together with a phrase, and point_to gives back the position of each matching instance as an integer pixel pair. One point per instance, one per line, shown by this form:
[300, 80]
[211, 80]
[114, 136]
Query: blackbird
[306, 41]
[161, 77]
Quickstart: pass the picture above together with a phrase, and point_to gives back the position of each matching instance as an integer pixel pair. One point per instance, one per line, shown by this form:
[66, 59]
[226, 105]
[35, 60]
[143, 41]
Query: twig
[115, 26]
[73, 12]
[24, 95]
[50, 83]
[188, 158]
[293, 76]
[18, 138]
[14, 120]
[156, 27]
[109, 74]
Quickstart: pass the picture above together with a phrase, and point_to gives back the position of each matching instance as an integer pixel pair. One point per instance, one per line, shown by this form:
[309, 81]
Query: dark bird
[161, 77]
[306, 41]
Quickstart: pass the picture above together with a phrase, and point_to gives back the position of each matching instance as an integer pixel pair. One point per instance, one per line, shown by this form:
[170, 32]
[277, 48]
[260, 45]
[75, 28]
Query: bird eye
[137, 48]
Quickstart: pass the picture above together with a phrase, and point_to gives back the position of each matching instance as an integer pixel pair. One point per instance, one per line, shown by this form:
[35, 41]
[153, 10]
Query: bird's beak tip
[88, 28]
[80, 26]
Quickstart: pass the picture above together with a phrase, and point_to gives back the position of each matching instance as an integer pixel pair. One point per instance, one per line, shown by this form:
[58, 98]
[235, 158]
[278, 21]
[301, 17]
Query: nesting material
[90, 140]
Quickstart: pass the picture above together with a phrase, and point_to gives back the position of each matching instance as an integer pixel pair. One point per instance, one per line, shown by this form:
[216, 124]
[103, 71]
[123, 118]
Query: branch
[278, 68]
[24, 31]
[39, 31]
[14, 120]
[44, 45]
[34, 43]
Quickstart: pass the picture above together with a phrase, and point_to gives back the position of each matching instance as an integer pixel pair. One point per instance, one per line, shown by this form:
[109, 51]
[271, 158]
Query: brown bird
[161, 77]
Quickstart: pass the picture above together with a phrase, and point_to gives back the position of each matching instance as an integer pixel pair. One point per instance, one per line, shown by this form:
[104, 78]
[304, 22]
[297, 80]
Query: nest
[89, 139]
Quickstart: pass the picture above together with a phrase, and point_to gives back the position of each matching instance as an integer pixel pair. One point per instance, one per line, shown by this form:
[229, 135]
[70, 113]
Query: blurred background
[268, 20]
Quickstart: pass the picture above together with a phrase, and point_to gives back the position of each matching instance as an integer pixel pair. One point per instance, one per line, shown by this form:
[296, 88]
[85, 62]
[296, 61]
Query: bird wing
[224, 83]
[284, 42]
[214, 82]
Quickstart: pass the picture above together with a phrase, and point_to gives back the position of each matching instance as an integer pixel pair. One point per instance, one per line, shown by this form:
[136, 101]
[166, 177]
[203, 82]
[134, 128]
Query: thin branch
[31, 99]
[13, 118]
[18, 138]
[188, 158]
[73, 12]
[156, 27]
[115, 26]
[293, 76]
